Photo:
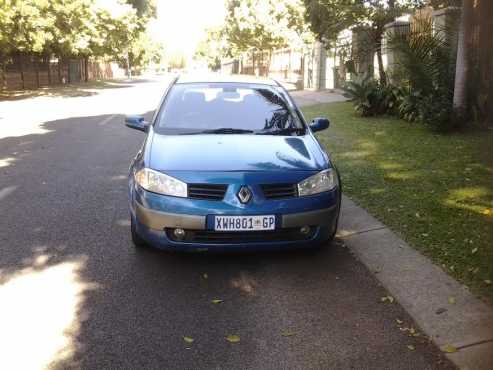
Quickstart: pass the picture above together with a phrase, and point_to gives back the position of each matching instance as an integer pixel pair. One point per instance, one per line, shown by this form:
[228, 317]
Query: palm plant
[426, 67]
[371, 98]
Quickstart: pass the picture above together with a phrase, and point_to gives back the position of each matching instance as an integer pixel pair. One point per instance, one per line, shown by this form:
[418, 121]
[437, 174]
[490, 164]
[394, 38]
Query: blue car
[229, 163]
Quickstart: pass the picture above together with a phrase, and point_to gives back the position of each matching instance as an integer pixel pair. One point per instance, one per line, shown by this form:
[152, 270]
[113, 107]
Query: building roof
[217, 77]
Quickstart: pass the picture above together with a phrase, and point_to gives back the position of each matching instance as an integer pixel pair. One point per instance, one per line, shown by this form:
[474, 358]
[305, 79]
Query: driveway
[75, 293]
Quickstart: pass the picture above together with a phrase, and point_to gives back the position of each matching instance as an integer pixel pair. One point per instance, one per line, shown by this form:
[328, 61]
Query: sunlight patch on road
[27, 128]
[40, 115]
[244, 283]
[40, 314]
[5, 192]
[5, 162]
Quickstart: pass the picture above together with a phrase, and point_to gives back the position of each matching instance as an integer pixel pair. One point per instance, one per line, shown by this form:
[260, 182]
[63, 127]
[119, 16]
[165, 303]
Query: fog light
[305, 230]
[179, 233]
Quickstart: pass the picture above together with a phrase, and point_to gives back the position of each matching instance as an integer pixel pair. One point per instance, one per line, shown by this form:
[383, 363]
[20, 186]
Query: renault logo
[244, 195]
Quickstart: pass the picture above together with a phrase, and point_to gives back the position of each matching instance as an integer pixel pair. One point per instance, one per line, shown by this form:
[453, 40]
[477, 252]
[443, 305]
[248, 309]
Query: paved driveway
[74, 292]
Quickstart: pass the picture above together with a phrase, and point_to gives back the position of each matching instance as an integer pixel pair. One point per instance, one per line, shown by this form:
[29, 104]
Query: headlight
[158, 182]
[323, 181]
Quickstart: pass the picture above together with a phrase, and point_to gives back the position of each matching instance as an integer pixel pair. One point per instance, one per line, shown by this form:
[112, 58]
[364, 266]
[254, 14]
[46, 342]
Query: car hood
[235, 153]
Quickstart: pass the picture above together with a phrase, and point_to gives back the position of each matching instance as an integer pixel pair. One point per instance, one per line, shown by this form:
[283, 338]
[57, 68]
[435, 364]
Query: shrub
[371, 98]
[426, 70]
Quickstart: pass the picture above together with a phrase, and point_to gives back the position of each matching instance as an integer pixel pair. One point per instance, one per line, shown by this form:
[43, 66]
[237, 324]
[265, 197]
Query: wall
[32, 72]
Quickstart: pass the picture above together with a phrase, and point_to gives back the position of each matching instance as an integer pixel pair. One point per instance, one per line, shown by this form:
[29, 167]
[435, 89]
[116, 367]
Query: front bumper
[162, 220]
[155, 226]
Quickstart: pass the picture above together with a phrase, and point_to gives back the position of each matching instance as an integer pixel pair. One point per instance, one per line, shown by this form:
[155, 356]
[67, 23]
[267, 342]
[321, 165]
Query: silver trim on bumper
[160, 220]
[310, 218]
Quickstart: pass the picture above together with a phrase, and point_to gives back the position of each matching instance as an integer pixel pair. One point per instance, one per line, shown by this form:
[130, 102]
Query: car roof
[218, 77]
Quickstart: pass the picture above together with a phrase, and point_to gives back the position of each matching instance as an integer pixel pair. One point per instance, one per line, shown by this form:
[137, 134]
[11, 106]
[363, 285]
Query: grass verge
[435, 190]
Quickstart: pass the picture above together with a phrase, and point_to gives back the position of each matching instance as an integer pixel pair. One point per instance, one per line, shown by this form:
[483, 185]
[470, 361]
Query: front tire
[136, 239]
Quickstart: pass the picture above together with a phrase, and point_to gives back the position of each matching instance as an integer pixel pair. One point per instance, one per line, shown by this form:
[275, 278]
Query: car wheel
[328, 243]
[136, 239]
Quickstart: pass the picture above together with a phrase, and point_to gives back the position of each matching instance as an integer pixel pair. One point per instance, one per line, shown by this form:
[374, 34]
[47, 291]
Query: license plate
[244, 223]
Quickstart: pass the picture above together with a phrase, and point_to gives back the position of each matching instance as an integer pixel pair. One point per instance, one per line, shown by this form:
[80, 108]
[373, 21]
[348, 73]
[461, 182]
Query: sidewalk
[444, 309]
[310, 97]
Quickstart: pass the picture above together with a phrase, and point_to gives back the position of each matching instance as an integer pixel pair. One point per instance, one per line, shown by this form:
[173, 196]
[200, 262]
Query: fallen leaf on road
[448, 348]
[451, 300]
[388, 299]
[399, 321]
[217, 301]
[474, 250]
[410, 347]
[233, 338]
[288, 333]
[441, 310]
[188, 340]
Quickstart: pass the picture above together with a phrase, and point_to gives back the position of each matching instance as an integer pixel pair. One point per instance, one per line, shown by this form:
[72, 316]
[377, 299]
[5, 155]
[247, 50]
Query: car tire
[136, 239]
[328, 243]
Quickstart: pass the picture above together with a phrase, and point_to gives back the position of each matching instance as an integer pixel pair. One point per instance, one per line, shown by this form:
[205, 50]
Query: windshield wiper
[222, 130]
[282, 131]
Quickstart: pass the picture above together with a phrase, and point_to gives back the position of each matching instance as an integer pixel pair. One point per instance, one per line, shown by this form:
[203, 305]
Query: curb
[422, 289]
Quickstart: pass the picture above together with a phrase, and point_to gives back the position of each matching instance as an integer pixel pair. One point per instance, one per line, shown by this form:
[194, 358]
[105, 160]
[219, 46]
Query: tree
[327, 18]
[212, 48]
[263, 24]
[462, 64]
[110, 29]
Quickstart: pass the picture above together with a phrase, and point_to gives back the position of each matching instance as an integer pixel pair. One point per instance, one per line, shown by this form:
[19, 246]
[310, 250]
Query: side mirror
[137, 123]
[319, 124]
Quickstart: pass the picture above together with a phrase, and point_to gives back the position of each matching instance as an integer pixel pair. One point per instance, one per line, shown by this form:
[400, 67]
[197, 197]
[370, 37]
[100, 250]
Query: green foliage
[76, 28]
[327, 18]
[370, 98]
[212, 48]
[426, 75]
[263, 25]
[422, 89]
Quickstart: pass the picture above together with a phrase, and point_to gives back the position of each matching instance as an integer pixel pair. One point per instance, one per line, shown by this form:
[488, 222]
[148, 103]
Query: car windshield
[226, 108]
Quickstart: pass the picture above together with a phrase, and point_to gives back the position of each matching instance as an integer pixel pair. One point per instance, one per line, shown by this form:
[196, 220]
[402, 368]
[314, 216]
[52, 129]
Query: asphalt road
[75, 293]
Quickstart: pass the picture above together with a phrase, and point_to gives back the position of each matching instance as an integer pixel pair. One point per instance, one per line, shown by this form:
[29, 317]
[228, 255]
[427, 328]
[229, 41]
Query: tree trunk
[462, 62]
[86, 69]
[59, 65]
[47, 62]
[381, 70]
[3, 76]
[253, 62]
[36, 64]
[21, 64]
[485, 93]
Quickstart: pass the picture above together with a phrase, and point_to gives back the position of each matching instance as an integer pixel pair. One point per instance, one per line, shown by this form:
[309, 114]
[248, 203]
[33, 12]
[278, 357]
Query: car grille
[242, 237]
[207, 191]
[279, 191]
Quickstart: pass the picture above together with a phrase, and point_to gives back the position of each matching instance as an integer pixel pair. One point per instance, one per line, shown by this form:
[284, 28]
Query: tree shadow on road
[81, 89]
